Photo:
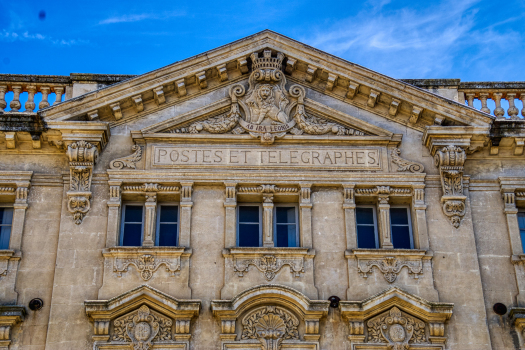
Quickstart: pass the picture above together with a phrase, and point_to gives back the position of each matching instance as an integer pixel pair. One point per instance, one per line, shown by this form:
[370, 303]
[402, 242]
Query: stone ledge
[433, 83]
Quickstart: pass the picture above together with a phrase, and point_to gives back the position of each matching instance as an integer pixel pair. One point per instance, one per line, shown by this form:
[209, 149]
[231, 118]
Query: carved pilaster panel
[450, 160]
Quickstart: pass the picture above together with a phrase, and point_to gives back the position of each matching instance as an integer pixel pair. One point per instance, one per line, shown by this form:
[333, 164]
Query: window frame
[521, 211]
[376, 225]
[410, 224]
[260, 220]
[9, 206]
[297, 227]
[157, 226]
[123, 218]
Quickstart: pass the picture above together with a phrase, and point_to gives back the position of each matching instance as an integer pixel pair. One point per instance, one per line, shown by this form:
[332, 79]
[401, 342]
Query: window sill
[518, 259]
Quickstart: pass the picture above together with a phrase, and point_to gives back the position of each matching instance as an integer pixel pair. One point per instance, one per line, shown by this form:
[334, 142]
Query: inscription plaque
[344, 158]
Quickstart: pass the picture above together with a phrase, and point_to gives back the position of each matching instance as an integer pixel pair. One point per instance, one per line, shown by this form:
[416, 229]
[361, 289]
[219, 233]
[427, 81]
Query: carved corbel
[394, 106]
[223, 72]
[372, 98]
[519, 143]
[137, 101]
[290, 65]
[158, 94]
[438, 119]
[416, 113]
[10, 139]
[201, 79]
[93, 115]
[450, 160]
[128, 161]
[242, 64]
[115, 109]
[82, 157]
[310, 73]
[181, 87]
[332, 81]
[353, 89]
[494, 145]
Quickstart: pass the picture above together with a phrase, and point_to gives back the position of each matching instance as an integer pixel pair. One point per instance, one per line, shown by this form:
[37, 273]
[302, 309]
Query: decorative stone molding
[383, 190]
[390, 321]
[416, 113]
[450, 160]
[405, 165]
[353, 89]
[128, 161]
[82, 157]
[158, 95]
[115, 109]
[222, 71]
[268, 189]
[142, 319]
[389, 262]
[394, 106]
[145, 260]
[372, 98]
[272, 315]
[517, 319]
[332, 81]
[93, 115]
[137, 101]
[310, 73]
[10, 315]
[181, 87]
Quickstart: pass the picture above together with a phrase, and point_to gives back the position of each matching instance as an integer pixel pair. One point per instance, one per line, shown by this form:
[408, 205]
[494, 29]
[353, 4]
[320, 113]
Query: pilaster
[349, 208]
[185, 213]
[114, 208]
[384, 217]
[305, 215]
[230, 221]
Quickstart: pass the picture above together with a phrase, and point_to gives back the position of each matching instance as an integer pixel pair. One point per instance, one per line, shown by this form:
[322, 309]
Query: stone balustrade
[41, 88]
[512, 92]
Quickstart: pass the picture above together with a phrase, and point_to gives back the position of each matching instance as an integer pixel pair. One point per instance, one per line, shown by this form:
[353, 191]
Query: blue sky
[468, 39]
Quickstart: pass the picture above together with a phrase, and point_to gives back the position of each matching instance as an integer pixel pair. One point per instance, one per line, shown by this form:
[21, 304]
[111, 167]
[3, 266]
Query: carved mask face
[265, 92]
[142, 331]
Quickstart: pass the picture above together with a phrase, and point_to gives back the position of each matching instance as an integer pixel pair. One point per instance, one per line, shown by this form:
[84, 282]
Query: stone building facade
[262, 195]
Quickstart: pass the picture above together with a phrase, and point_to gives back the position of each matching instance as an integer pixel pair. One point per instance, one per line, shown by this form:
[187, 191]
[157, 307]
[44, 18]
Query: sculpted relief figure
[267, 110]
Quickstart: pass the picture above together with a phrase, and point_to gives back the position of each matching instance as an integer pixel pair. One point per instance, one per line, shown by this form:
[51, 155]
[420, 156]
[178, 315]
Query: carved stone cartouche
[397, 329]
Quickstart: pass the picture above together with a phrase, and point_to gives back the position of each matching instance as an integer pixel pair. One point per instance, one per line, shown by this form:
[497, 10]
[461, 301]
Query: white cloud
[140, 17]
[13, 36]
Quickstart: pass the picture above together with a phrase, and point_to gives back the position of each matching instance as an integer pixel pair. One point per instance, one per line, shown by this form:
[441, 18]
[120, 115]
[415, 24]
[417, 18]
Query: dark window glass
[249, 226]
[6, 221]
[168, 225]
[400, 228]
[132, 230]
[521, 223]
[285, 227]
[366, 230]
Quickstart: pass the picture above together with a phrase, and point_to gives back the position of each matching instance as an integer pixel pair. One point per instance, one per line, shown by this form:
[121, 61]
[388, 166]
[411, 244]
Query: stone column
[150, 221]
[230, 221]
[349, 208]
[19, 215]
[268, 220]
[185, 213]
[305, 216]
[384, 217]
[420, 210]
[114, 208]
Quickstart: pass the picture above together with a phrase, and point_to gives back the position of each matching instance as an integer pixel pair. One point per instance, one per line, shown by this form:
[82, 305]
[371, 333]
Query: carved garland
[269, 265]
[450, 161]
[390, 267]
[270, 325]
[147, 265]
[82, 157]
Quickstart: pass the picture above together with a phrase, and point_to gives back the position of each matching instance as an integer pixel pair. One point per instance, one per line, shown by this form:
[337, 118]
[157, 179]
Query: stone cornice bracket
[290, 64]
[158, 95]
[405, 165]
[137, 101]
[394, 107]
[353, 89]
[450, 161]
[372, 98]
[82, 157]
[115, 109]
[242, 64]
[180, 85]
[127, 161]
[10, 315]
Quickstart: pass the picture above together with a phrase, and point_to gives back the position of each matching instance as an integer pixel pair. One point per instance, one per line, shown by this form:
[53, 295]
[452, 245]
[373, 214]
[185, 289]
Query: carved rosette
[450, 160]
[270, 325]
[397, 329]
[128, 161]
[390, 267]
[269, 265]
[147, 265]
[82, 157]
[141, 328]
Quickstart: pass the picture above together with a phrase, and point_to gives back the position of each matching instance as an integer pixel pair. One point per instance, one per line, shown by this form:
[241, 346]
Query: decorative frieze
[450, 160]
[269, 265]
[268, 189]
[404, 164]
[82, 157]
[128, 161]
[390, 267]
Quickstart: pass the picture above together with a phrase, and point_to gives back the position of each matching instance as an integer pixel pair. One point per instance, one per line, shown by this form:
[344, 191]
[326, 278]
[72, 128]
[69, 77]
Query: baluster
[45, 91]
[522, 98]
[3, 104]
[470, 99]
[512, 111]
[498, 112]
[30, 104]
[15, 104]
[59, 90]
[483, 98]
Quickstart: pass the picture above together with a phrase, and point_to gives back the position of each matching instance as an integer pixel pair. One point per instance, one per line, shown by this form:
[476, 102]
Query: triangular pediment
[212, 74]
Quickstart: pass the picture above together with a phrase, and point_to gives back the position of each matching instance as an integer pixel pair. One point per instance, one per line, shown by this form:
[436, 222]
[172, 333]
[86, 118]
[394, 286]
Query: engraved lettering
[270, 156]
[359, 156]
[245, 157]
[231, 157]
[315, 155]
[371, 155]
[174, 155]
[280, 158]
[162, 153]
[337, 155]
[351, 157]
[205, 156]
[306, 161]
[185, 155]
[327, 156]
[218, 154]
[293, 157]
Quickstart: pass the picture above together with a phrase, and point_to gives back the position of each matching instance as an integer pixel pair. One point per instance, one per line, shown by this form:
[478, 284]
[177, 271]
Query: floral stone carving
[405, 165]
[269, 265]
[267, 107]
[390, 267]
[270, 325]
[397, 329]
[128, 161]
[141, 328]
[147, 264]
